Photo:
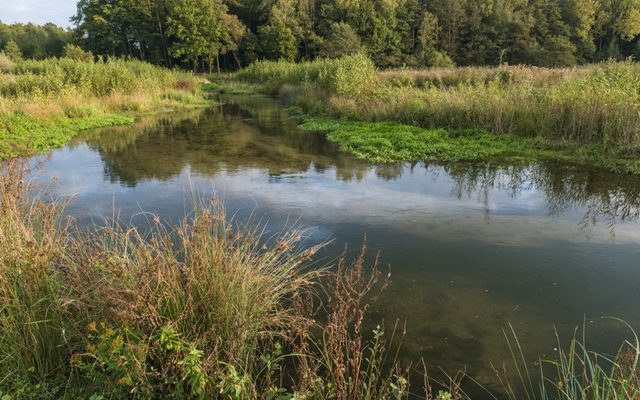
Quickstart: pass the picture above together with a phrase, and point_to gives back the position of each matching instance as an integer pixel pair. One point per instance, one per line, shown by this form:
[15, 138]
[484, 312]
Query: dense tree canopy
[35, 41]
[206, 33]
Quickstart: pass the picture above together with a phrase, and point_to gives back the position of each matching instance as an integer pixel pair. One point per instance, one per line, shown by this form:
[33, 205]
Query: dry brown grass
[41, 109]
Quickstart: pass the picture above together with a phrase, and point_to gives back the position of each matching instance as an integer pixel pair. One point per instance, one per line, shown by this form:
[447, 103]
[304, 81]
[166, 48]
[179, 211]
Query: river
[470, 247]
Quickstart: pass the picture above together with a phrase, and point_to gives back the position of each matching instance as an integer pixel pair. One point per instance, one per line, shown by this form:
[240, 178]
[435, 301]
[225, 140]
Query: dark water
[471, 247]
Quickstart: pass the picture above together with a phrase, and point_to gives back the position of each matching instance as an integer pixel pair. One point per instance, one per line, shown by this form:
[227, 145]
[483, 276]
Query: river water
[471, 248]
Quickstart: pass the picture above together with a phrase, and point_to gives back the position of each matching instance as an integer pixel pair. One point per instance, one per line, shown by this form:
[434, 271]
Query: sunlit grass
[45, 103]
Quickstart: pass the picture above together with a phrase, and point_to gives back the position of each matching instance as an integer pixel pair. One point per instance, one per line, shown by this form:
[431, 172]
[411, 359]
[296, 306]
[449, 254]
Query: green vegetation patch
[21, 134]
[391, 142]
[229, 87]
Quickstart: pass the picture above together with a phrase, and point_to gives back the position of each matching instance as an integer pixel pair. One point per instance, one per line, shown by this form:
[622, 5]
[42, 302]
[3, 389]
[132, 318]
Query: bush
[350, 76]
[13, 51]
[76, 53]
[6, 65]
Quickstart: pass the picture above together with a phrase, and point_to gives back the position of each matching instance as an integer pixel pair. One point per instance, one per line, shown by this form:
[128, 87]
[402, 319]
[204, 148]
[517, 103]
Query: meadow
[44, 103]
[588, 115]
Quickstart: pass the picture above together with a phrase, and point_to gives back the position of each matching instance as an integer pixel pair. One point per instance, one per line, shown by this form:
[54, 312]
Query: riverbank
[207, 310]
[588, 115]
[43, 104]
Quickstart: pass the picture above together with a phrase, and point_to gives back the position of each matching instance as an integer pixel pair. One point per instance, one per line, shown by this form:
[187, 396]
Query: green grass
[227, 86]
[391, 141]
[587, 115]
[577, 373]
[21, 134]
[45, 103]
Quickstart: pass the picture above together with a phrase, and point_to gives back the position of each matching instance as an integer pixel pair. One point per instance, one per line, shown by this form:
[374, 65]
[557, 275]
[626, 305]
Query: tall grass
[44, 103]
[200, 310]
[206, 310]
[349, 76]
[598, 104]
[577, 373]
[34, 324]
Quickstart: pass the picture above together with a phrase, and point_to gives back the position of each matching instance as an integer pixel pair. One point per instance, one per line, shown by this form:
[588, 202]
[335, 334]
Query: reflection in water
[160, 148]
[258, 133]
[471, 246]
[606, 198]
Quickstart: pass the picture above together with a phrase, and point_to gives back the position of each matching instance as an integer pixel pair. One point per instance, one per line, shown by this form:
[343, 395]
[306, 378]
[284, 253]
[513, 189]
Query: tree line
[214, 34]
[34, 41]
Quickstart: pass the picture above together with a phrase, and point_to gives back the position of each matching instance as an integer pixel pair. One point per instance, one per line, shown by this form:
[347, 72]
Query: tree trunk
[218, 62]
[235, 57]
[165, 51]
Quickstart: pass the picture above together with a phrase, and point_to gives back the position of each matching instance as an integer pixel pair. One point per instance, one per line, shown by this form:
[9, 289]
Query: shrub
[6, 65]
[76, 53]
[13, 51]
[351, 76]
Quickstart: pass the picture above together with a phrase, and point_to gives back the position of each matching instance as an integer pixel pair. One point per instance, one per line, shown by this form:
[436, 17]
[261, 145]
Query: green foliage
[196, 26]
[389, 141]
[193, 33]
[277, 42]
[59, 76]
[6, 65]
[12, 50]
[350, 76]
[392, 142]
[127, 364]
[36, 41]
[341, 41]
[76, 53]
[45, 103]
[22, 134]
[393, 33]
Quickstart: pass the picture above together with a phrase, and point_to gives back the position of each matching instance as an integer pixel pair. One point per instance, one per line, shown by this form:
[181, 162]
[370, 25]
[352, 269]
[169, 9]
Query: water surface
[471, 247]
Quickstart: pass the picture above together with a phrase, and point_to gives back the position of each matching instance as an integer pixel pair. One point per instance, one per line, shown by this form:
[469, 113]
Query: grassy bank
[392, 141]
[206, 310]
[199, 310]
[588, 115]
[43, 104]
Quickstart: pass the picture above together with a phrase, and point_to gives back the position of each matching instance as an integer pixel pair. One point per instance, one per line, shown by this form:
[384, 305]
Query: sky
[37, 11]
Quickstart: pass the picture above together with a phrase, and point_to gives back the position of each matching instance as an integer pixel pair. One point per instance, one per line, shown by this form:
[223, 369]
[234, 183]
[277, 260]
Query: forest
[228, 34]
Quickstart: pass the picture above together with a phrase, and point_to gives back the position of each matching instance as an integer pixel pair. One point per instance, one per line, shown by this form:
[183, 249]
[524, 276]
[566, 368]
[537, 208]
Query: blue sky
[37, 11]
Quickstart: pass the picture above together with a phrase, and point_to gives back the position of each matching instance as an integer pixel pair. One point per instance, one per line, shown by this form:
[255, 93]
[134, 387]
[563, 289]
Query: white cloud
[37, 11]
